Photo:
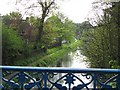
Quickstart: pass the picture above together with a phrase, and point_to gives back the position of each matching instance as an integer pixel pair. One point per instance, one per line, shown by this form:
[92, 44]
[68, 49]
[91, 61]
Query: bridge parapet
[54, 78]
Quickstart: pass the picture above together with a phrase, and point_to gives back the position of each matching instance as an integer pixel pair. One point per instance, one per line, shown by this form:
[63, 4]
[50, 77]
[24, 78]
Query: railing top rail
[60, 69]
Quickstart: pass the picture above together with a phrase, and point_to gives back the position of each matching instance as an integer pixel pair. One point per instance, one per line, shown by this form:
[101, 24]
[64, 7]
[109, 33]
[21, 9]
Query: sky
[75, 10]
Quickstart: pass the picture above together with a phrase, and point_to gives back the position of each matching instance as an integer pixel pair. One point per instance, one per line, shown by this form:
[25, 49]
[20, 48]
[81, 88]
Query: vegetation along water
[46, 39]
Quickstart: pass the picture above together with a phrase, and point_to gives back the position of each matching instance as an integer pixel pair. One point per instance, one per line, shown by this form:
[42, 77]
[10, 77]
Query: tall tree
[45, 7]
[63, 28]
[102, 42]
[115, 14]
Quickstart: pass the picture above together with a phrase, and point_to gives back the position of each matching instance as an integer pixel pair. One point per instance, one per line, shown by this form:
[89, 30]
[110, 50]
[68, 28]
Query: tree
[69, 33]
[12, 45]
[115, 14]
[80, 28]
[63, 28]
[101, 44]
[45, 7]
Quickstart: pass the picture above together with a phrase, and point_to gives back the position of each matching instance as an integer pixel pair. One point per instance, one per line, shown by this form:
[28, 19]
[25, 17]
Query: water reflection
[75, 60]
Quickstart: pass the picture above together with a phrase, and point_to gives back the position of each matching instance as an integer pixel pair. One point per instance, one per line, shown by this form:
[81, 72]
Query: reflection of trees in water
[74, 59]
[67, 61]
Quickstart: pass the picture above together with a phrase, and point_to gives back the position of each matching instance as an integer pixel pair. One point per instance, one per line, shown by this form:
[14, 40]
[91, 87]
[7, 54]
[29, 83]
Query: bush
[12, 45]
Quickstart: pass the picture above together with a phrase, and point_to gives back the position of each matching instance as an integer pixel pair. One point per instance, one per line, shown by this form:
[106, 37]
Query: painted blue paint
[47, 78]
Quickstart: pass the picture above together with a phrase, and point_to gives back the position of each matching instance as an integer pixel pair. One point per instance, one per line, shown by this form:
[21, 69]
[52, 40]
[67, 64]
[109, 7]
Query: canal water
[76, 60]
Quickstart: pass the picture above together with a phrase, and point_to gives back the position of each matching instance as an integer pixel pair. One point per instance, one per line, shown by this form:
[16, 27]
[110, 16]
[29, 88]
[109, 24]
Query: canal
[76, 60]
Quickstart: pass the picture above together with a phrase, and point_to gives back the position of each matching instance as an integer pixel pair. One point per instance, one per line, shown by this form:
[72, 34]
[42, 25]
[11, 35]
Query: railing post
[45, 77]
[118, 82]
[0, 79]
[69, 75]
[21, 79]
[95, 82]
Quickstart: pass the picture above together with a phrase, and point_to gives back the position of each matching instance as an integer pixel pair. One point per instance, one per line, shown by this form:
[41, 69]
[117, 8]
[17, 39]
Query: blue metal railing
[54, 78]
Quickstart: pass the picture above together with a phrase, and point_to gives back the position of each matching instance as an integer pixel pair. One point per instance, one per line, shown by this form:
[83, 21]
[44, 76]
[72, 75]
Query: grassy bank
[51, 58]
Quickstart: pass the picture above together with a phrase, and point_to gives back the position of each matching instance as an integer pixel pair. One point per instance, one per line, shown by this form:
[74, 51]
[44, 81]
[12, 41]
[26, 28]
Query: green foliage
[101, 44]
[80, 28]
[48, 35]
[69, 34]
[34, 58]
[95, 48]
[55, 57]
[12, 45]
[23, 34]
[114, 64]
[50, 58]
[63, 30]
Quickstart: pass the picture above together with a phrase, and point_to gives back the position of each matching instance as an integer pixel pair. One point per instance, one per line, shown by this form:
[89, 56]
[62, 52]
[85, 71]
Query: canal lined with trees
[76, 60]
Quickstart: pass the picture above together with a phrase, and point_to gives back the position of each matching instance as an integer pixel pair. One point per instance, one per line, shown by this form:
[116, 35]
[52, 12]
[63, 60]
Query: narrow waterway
[76, 60]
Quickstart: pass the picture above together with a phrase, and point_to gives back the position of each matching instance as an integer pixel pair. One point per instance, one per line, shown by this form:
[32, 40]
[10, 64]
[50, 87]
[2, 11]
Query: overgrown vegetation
[45, 39]
[101, 44]
[36, 41]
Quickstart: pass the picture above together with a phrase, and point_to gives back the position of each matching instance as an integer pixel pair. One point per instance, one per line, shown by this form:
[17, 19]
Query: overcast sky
[76, 10]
